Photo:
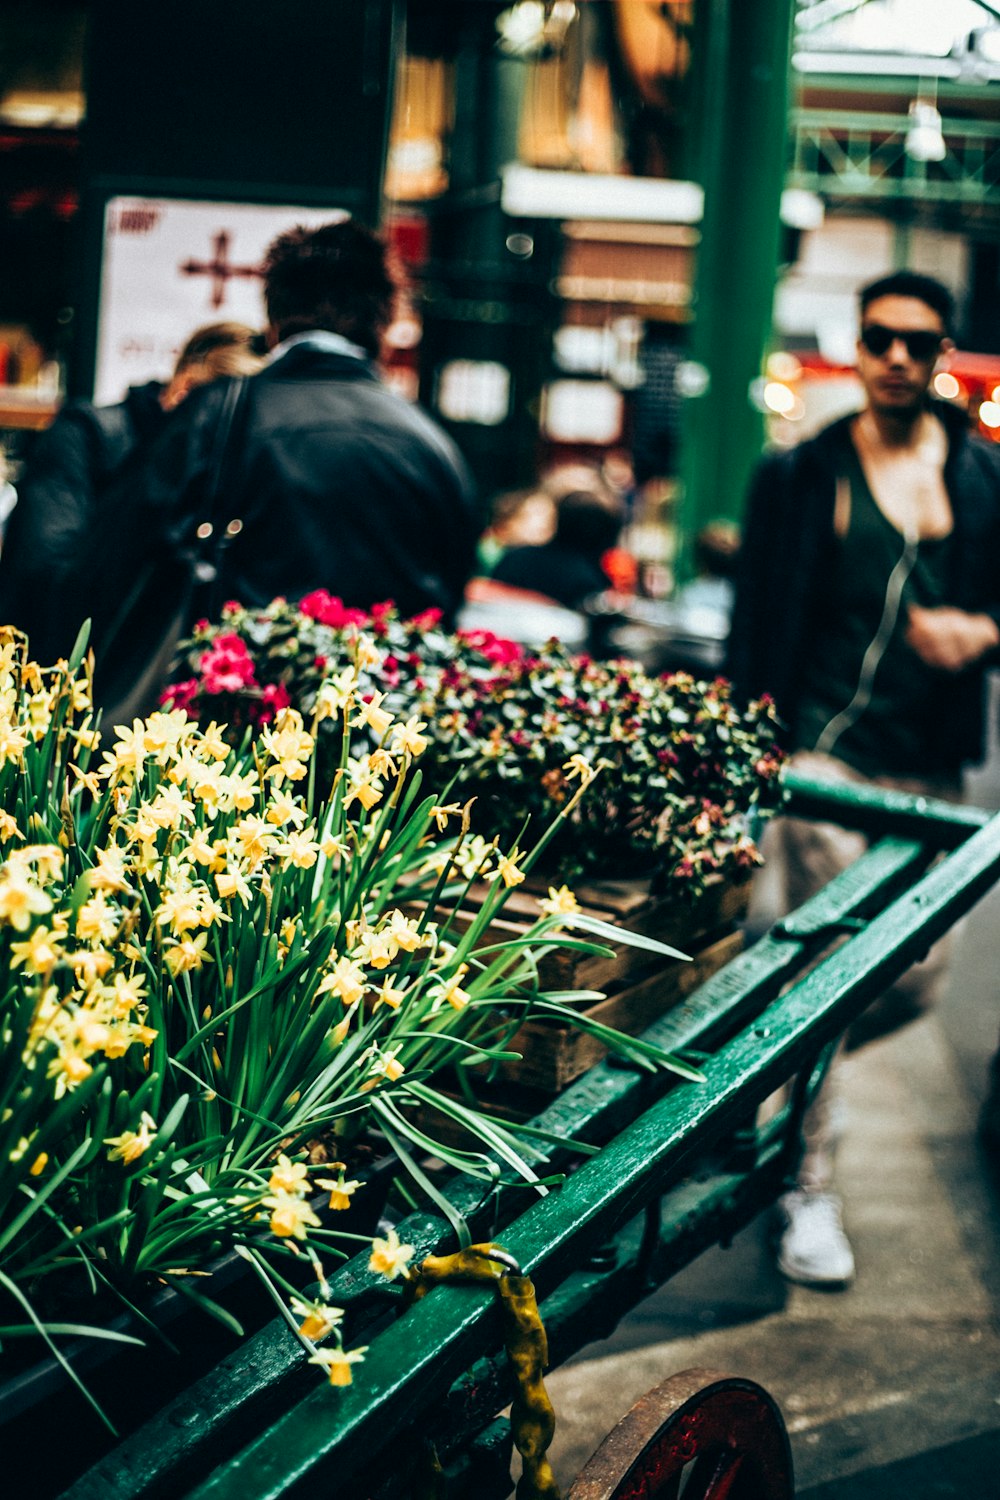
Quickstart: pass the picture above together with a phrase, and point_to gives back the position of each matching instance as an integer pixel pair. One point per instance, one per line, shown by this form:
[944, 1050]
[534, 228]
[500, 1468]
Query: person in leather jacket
[328, 478]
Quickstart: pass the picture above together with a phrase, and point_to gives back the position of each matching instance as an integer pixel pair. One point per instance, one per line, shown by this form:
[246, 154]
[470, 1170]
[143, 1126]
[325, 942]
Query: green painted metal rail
[681, 1166]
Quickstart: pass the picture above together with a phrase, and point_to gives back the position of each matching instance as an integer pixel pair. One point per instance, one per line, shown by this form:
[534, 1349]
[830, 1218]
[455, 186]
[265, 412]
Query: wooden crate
[638, 986]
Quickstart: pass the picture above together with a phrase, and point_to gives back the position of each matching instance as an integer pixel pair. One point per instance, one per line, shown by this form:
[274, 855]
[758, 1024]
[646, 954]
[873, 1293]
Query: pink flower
[273, 699]
[226, 667]
[426, 620]
[329, 610]
[180, 694]
[493, 647]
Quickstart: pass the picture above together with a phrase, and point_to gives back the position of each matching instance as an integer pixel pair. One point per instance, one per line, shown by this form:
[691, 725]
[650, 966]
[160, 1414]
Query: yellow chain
[532, 1418]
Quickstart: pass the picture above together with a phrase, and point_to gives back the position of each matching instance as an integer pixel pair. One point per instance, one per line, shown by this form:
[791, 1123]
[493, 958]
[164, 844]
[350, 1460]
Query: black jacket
[561, 573]
[339, 484]
[788, 546]
[69, 468]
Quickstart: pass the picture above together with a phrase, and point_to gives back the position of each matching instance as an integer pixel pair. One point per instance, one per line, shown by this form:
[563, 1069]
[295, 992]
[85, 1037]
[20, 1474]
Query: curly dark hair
[341, 277]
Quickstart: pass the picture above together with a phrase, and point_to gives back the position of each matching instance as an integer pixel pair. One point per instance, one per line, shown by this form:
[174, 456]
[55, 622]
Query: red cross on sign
[220, 268]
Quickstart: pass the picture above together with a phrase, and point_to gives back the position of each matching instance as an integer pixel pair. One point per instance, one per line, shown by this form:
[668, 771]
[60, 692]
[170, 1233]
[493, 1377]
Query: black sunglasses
[921, 343]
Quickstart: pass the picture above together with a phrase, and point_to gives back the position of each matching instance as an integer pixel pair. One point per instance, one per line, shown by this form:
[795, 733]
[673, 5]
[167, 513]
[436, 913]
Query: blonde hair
[220, 349]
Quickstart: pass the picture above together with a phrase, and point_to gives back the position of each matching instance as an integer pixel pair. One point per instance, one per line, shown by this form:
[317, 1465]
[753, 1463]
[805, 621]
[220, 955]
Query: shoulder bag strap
[211, 537]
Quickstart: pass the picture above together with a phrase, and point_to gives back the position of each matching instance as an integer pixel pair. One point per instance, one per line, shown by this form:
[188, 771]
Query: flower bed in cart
[661, 842]
[228, 964]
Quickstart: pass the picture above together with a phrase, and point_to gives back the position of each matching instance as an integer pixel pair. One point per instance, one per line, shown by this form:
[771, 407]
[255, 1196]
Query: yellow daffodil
[291, 1217]
[387, 1066]
[389, 1258]
[46, 859]
[284, 809]
[382, 762]
[68, 1069]
[559, 903]
[131, 1144]
[201, 851]
[213, 742]
[443, 813]
[337, 1363]
[289, 1177]
[109, 874]
[164, 731]
[13, 742]
[507, 869]
[405, 933]
[127, 993]
[96, 920]
[9, 829]
[238, 790]
[366, 653]
[90, 965]
[406, 738]
[318, 1319]
[376, 949]
[255, 839]
[341, 1191]
[579, 765]
[187, 955]
[288, 746]
[362, 784]
[346, 979]
[231, 883]
[41, 951]
[372, 714]
[298, 849]
[180, 910]
[390, 995]
[335, 694]
[128, 755]
[452, 994]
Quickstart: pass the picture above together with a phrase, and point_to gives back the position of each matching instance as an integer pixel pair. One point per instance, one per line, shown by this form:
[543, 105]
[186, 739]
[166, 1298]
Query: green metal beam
[740, 89]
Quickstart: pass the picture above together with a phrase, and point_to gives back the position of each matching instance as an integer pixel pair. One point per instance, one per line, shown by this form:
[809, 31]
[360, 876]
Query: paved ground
[891, 1389]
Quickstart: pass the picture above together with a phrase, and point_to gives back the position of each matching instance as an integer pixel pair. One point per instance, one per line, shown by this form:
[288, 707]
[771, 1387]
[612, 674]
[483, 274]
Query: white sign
[171, 266]
[474, 390]
[583, 411]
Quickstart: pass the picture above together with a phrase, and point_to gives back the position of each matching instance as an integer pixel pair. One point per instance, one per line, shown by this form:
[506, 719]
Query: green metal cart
[680, 1166]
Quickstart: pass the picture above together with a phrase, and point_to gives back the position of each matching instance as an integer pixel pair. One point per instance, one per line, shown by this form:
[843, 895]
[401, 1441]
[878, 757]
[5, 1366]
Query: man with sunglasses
[868, 606]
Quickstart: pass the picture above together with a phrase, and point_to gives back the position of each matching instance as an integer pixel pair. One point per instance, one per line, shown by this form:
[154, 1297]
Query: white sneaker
[813, 1249]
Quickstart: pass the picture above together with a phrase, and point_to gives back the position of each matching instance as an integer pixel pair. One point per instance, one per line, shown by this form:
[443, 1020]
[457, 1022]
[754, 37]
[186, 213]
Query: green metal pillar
[739, 124]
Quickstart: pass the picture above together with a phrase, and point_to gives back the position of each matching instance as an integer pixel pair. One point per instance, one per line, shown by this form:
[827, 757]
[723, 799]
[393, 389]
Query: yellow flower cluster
[288, 1188]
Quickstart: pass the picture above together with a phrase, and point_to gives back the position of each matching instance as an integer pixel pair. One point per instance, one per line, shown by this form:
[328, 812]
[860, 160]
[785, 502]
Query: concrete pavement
[891, 1388]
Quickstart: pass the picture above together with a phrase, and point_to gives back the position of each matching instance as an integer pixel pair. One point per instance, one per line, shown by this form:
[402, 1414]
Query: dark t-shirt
[869, 698]
[559, 572]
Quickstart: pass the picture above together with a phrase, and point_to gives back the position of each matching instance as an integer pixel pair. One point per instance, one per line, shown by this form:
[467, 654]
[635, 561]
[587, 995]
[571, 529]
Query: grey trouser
[800, 858]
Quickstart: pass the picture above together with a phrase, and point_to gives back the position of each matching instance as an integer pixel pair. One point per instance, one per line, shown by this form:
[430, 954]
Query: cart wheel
[701, 1435]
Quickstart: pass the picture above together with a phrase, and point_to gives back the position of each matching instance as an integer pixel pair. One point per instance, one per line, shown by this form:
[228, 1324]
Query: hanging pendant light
[924, 138]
